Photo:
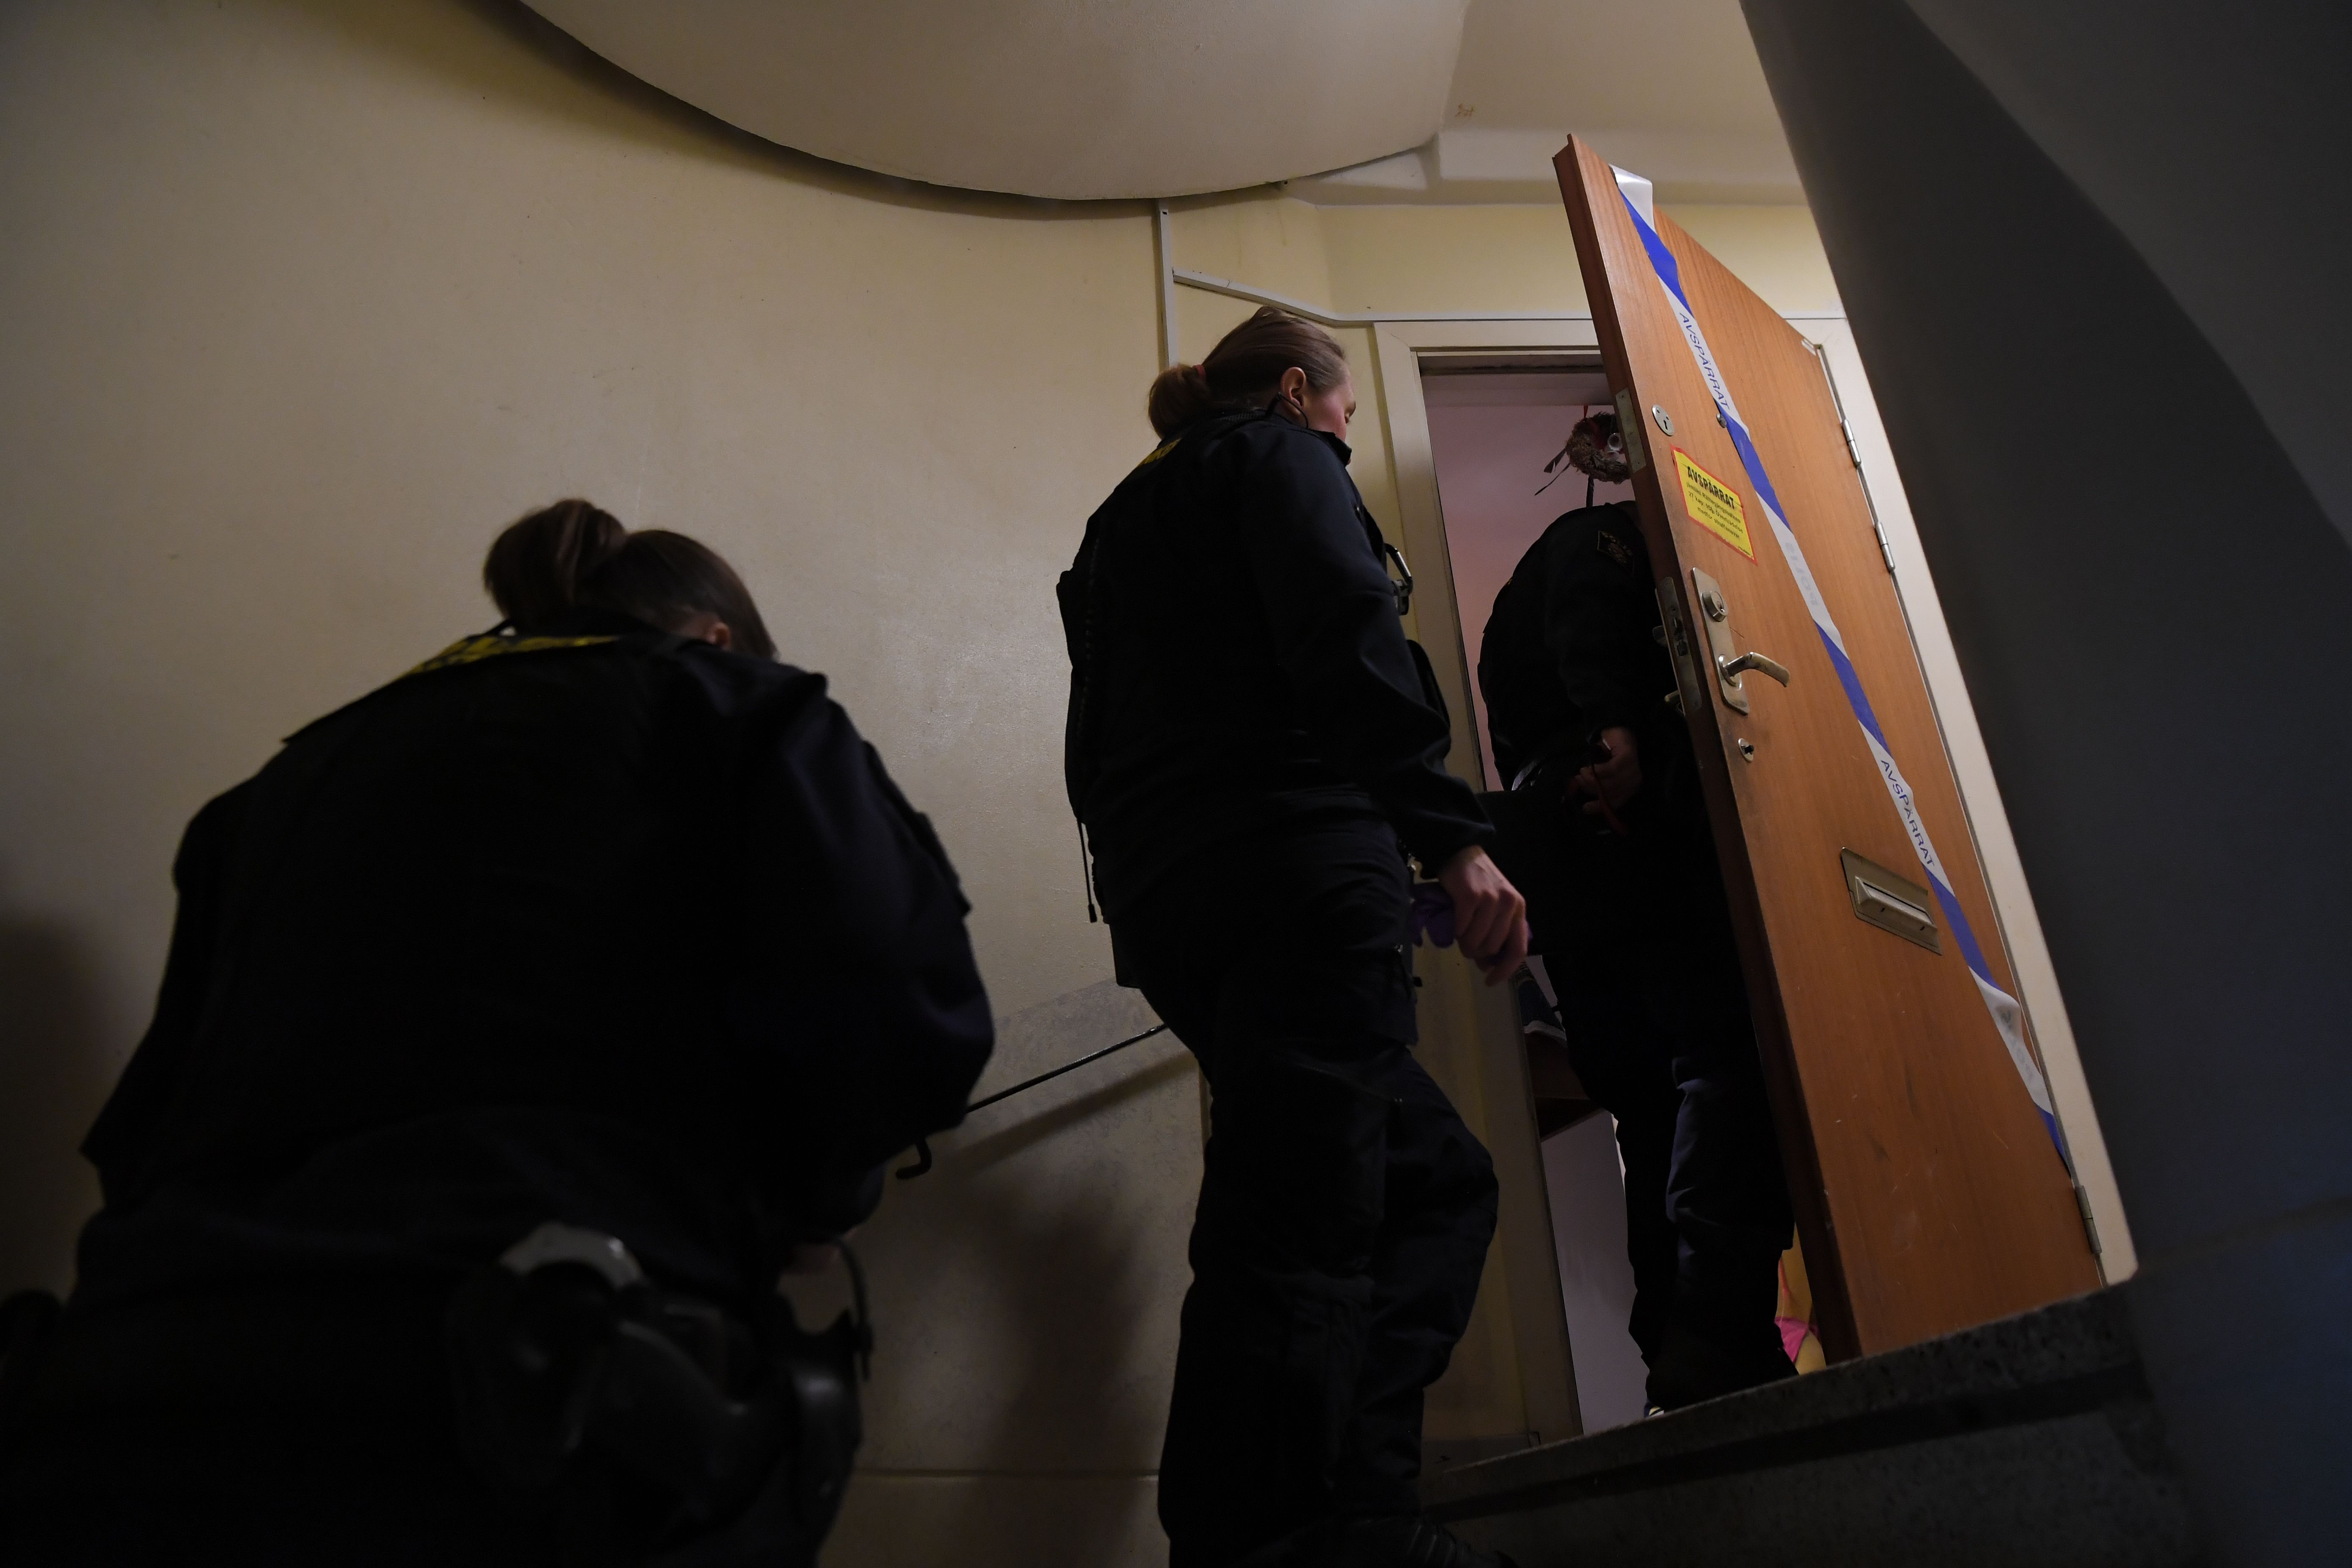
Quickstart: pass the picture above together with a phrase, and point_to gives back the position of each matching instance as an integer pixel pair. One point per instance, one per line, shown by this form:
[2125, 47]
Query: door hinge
[2090, 1225]
[1853, 456]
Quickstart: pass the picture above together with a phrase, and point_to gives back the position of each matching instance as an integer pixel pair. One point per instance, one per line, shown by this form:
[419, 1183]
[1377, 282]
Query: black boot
[1693, 1364]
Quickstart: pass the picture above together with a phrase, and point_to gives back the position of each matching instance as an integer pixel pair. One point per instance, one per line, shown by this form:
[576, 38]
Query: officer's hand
[812, 1257]
[1490, 919]
[1619, 779]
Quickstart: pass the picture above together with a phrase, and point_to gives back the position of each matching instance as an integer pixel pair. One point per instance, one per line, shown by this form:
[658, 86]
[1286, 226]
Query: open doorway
[1849, 1012]
[1499, 428]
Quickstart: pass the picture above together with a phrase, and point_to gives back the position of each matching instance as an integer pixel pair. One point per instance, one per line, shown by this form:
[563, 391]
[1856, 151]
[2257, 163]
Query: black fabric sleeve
[1074, 593]
[1594, 620]
[1337, 641]
[123, 1138]
[861, 1001]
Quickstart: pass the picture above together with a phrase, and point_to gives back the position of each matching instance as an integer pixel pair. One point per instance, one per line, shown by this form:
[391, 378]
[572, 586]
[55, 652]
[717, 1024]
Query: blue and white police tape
[2008, 1017]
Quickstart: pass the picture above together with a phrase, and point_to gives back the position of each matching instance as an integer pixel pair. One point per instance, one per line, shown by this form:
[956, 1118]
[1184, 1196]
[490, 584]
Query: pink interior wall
[1489, 464]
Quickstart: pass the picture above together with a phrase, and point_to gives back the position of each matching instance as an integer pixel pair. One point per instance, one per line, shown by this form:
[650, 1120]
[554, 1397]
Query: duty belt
[649, 1427]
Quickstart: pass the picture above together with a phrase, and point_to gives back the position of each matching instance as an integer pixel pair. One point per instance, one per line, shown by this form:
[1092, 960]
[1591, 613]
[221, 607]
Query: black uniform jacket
[1569, 649]
[1237, 663]
[605, 927]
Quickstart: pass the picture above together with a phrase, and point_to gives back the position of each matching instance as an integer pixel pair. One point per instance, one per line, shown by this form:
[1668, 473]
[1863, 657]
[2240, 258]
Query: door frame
[1399, 346]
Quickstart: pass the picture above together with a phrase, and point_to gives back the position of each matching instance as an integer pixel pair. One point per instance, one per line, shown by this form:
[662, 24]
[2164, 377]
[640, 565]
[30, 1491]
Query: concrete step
[2026, 1442]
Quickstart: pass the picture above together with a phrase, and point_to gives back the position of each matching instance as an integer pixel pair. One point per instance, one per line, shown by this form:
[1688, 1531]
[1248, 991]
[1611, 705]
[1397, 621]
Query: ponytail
[1243, 369]
[1179, 397]
[575, 555]
[536, 567]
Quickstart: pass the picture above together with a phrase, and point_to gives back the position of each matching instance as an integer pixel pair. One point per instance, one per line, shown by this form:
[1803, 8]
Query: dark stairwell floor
[2026, 1442]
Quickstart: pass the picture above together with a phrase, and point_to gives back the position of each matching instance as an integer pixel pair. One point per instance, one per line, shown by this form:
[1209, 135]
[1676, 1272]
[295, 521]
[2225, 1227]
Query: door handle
[1732, 669]
[1730, 663]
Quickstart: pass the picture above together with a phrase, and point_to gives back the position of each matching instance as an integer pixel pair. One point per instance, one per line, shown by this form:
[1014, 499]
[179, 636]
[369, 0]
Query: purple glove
[1432, 914]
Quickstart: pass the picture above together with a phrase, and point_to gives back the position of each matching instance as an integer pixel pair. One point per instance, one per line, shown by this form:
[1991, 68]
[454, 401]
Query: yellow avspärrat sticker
[1712, 505]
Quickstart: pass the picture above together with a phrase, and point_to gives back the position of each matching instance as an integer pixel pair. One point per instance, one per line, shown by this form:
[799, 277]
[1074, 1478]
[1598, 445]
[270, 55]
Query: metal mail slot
[1890, 902]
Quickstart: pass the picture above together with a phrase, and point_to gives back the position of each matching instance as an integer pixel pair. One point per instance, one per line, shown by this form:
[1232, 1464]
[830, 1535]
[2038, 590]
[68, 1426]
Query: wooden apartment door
[1929, 1190]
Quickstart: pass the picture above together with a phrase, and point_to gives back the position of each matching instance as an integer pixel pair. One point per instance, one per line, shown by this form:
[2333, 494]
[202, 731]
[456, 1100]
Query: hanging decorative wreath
[1596, 448]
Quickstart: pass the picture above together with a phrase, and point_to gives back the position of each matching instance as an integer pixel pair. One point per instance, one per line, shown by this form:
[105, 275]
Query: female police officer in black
[610, 920]
[1252, 751]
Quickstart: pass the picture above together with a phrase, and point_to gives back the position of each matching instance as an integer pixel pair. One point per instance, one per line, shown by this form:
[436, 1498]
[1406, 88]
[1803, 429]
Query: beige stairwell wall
[301, 300]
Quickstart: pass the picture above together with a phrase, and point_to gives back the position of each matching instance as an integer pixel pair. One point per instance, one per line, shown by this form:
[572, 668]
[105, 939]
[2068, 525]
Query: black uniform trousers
[1345, 1209]
[1635, 933]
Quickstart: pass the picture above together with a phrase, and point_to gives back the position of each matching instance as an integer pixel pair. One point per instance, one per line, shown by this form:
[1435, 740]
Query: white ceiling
[1669, 88]
[1050, 98]
[1409, 101]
